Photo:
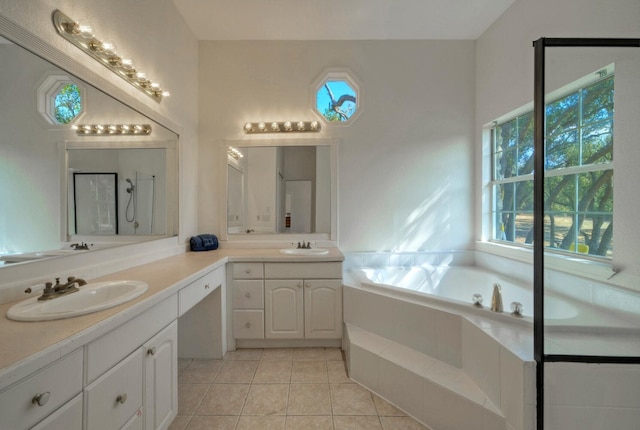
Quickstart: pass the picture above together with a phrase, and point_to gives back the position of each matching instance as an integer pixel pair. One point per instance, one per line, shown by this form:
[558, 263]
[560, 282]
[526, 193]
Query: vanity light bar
[82, 36]
[112, 129]
[282, 127]
[233, 152]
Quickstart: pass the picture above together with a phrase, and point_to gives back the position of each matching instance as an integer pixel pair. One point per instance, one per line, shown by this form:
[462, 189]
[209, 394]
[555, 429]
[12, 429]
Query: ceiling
[339, 19]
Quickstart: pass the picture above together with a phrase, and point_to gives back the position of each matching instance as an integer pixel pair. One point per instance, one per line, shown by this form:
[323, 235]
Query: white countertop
[27, 346]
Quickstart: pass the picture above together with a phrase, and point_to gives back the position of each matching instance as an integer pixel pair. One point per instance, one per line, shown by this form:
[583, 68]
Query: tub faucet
[496, 299]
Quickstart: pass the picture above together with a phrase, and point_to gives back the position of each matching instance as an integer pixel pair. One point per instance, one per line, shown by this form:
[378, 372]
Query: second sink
[302, 251]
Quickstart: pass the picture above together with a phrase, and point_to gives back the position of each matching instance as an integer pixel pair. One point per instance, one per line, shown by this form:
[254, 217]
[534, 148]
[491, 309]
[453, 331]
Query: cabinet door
[161, 378]
[283, 313]
[323, 309]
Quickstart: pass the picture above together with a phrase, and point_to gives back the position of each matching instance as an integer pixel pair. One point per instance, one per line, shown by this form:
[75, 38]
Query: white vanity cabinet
[301, 300]
[34, 398]
[132, 372]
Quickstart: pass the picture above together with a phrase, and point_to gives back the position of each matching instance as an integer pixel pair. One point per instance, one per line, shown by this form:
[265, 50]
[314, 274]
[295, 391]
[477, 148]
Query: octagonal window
[60, 100]
[337, 98]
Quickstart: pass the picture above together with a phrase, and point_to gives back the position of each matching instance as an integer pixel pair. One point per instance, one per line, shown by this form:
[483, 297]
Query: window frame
[495, 215]
[47, 92]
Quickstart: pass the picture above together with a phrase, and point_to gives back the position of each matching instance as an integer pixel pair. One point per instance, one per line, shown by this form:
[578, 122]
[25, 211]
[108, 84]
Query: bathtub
[413, 336]
[456, 285]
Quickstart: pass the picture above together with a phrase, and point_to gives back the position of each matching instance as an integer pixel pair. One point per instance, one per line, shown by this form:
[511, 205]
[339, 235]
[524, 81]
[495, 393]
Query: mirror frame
[68, 64]
[278, 237]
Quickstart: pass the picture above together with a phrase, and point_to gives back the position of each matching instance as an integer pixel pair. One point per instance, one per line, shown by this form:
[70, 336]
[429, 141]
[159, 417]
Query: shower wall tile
[597, 385]
[591, 418]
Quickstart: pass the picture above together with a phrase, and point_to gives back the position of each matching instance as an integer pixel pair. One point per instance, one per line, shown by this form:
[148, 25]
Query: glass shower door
[587, 296]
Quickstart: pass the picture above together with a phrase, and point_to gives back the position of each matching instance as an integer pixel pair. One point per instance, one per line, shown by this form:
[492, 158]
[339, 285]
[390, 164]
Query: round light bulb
[287, 126]
[108, 47]
[300, 126]
[262, 126]
[84, 30]
[275, 126]
[141, 76]
[127, 63]
[248, 127]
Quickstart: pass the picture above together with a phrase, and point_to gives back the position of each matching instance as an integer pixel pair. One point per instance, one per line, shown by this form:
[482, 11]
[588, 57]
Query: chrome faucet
[304, 246]
[80, 246]
[496, 299]
[51, 291]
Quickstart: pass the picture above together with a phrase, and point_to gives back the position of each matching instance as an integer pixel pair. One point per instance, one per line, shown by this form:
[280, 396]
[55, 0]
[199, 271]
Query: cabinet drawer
[190, 295]
[116, 396]
[248, 324]
[68, 417]
[105, 352]
[324, 270]
[52, 387]
[247, 270]
[248, 294]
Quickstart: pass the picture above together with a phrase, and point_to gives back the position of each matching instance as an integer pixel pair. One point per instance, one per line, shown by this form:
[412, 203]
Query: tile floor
[290, 389]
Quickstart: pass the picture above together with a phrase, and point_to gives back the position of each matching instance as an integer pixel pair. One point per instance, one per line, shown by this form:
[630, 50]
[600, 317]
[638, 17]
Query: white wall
[404, 166]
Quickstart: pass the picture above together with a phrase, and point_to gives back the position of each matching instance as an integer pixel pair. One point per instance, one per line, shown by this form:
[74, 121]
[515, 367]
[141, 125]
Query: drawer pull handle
[247, 295]
[41, 399]
[248, 325]
[151, 351]
[247, 270]
[206, 286]
[121, 398]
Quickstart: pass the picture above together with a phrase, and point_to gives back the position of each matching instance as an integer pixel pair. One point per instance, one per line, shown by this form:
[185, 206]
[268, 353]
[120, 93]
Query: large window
[578, 173]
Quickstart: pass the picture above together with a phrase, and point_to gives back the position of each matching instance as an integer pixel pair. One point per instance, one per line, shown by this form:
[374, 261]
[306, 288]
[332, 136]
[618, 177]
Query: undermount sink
[302, 251]
[92, 297]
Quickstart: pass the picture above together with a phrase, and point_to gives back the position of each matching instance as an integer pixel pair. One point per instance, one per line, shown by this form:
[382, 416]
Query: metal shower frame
[538, 209]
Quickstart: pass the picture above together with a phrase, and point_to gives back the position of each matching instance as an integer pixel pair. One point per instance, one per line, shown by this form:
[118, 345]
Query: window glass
[578, 173]
[336, 100]
[67, 103]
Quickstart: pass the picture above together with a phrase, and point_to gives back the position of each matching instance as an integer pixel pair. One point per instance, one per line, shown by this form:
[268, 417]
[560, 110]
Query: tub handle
[516, 309]
[477, 300]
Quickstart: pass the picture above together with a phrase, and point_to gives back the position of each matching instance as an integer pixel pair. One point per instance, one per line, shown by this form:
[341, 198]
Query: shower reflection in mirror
[138, 210]
[128, 200]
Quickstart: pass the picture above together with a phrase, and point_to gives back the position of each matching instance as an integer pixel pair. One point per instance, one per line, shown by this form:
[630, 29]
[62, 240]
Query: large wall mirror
[58, 187]
[278, 188]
